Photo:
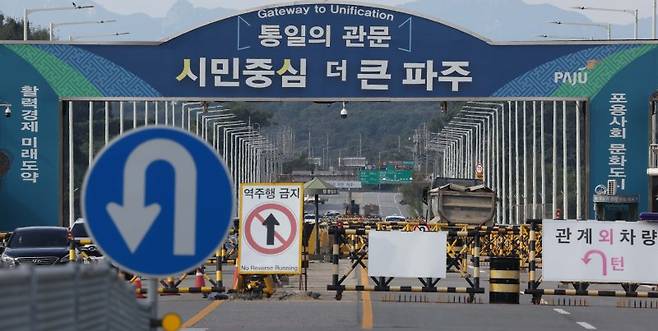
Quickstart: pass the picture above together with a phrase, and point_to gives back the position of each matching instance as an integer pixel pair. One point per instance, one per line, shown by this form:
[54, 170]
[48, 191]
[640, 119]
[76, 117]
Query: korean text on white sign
[270, 228]
[600, 251]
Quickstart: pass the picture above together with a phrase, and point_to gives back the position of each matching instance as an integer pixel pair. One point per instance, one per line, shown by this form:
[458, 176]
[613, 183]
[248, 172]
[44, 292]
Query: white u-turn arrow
[134, 218]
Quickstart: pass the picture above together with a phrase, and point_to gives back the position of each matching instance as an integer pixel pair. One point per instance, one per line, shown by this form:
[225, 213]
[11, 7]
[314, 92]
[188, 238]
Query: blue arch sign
[319, 50]
[157, 201]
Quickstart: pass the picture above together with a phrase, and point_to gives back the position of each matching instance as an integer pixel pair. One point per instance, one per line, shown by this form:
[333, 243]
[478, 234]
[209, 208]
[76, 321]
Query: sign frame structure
[243, 240]
[407, 254]
[147, 70]
[597, 251]
[163, 207]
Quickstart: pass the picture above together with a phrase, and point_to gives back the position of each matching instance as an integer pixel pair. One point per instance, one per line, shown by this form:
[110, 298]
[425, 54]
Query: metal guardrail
[71, 297]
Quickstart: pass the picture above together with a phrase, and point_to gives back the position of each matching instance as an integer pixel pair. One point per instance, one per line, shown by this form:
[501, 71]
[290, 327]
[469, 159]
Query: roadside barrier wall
[70, 297]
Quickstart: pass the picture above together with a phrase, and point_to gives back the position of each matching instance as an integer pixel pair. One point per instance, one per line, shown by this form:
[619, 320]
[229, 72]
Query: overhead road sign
[390, 175]
[157, 201]
[270, 228]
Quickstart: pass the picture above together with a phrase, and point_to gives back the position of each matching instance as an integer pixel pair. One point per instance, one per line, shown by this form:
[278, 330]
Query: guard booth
[616, 208]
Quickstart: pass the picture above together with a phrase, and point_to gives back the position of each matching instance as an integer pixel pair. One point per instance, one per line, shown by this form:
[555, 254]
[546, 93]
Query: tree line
[12, 29]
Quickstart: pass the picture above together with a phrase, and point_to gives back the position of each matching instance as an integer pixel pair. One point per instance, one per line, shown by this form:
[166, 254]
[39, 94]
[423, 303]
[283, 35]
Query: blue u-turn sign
[157, 201]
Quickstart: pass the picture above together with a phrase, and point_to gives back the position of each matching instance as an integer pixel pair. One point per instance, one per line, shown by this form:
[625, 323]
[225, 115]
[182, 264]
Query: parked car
[395, 218]
[39, 245]
[79, 232]
[309, 218]
[331, 213]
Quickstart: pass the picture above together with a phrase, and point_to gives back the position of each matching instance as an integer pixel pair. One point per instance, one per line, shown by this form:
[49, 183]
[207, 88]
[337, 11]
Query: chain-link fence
[71, 297]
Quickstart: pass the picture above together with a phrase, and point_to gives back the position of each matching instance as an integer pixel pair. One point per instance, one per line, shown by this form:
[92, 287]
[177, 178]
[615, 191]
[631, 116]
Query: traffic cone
[199, 280]
[138, 288]
[236, 275]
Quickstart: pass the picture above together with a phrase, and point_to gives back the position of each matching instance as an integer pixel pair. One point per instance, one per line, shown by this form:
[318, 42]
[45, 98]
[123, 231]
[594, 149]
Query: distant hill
[181, 17]
[501, 20]
[380, 125]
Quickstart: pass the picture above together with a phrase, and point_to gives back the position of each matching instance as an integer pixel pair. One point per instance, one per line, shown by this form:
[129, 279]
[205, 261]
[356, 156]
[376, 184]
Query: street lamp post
[599, 25]
[28, 11]
[633, 12]
[204, 113]
[52, 26]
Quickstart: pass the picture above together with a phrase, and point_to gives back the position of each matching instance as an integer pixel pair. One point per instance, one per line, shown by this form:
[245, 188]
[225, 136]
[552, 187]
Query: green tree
[248, 113]
[413, 195]
[300, 163]
[12, 29]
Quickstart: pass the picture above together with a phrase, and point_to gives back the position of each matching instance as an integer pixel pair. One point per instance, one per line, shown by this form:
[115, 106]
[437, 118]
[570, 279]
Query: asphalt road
[376, 311]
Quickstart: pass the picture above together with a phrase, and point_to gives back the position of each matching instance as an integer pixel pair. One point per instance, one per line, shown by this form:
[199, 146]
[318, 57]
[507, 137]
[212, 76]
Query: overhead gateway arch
[315, 51]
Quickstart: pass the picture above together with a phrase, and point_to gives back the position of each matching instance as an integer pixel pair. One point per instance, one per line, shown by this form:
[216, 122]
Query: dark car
[39, 245]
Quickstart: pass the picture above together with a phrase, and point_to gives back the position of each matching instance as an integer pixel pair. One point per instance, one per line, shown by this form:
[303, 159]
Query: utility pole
[360, 142]
[309, 144]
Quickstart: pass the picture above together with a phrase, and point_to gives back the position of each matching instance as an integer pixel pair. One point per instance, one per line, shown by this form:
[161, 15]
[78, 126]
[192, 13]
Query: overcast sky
[158, 8]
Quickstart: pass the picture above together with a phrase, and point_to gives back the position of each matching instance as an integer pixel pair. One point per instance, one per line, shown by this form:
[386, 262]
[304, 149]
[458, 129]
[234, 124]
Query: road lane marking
[561, 311]
[366, 304]
[586, 325]
[202, 314]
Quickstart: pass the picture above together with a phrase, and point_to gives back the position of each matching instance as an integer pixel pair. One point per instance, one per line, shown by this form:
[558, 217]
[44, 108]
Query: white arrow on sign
[134, 218]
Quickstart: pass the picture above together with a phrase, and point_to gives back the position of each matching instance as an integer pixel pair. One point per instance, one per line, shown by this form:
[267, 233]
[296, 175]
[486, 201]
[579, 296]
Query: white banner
[270, 228]
[600, 251]
[407, 254]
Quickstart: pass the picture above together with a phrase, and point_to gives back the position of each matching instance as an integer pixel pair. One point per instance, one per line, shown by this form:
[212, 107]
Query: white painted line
[586, 325]
[561, 311]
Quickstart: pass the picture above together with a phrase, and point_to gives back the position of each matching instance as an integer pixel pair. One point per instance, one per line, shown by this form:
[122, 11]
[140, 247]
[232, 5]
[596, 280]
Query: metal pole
[107, 122]
[146, 113]
[134, 114]
[497, 130]
[91, 132]
[157, 113]
[516, 156]
[653, 25]
[25, 23]
[554, 198]
[543, 161]
[166, 114]
[503, 197]
[121, 117]
[609, 32]
[317, 227]
[50, 31]
[152, 293]
[565, 184]
[534, 160]
[636, 23]
[189, 113]
[491, 153]
[509, 164]
[578, 183]
[525, 166]
[71, 167]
